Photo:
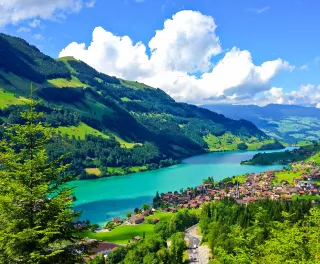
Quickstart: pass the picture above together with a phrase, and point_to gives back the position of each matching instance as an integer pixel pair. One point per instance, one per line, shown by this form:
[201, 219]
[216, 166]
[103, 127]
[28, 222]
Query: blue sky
[268, 30]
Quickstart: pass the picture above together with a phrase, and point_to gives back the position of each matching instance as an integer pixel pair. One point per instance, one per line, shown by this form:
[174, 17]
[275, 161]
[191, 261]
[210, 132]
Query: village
[255, 187]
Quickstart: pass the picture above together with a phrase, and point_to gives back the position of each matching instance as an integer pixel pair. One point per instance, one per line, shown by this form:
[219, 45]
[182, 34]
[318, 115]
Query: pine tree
[35, 204]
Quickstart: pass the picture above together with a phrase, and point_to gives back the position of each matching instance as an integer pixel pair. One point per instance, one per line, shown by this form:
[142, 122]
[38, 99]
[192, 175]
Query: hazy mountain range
[288, 122]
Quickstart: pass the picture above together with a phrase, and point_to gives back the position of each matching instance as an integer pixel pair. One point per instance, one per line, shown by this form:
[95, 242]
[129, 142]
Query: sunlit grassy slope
[8, 98]
[229, 142]
[80, 131]
[83, 129]
[121, 234]
[61, 82]
[93, 171]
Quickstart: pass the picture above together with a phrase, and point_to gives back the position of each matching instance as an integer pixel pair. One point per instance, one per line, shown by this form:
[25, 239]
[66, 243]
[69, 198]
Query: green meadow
[121, 234]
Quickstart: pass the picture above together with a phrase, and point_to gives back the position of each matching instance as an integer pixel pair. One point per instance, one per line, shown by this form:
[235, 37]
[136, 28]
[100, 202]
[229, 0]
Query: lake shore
[105, 198]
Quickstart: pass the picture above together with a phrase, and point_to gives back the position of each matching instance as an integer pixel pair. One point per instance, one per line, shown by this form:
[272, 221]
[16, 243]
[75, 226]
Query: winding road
[197, 254]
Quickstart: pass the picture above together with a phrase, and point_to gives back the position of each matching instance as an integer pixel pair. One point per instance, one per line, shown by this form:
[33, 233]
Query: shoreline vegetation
[286, 157]
[94, 172]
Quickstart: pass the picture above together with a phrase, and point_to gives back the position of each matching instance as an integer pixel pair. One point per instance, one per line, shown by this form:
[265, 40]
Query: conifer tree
[35, 204]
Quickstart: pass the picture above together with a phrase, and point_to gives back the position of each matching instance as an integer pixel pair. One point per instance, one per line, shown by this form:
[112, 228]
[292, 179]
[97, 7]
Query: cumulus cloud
[236, 75]
[186, 43]
[13, 11]
[180, 60]
[308, 95]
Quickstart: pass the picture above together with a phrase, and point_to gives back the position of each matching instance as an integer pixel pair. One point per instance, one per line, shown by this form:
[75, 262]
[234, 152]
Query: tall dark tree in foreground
[35, 205]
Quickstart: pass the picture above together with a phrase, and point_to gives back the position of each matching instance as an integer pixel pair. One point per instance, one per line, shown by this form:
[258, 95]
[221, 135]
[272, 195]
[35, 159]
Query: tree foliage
[264, 232]
[35, 206]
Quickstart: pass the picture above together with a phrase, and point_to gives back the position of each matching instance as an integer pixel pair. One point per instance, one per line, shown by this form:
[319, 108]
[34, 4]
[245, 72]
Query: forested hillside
[290, 123]
[109, 125]
[267, 231]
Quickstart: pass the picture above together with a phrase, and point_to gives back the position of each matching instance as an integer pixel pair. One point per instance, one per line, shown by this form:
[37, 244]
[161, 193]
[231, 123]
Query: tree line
[267, 231]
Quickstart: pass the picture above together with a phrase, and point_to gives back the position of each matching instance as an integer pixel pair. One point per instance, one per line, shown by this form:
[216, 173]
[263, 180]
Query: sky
[198, 51]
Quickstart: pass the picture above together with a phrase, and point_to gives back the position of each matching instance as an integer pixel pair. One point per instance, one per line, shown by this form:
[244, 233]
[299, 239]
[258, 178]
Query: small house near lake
[136, 219]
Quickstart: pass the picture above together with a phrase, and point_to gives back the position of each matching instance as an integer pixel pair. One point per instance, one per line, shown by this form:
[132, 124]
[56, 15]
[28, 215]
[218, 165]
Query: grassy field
[120, 171]
[93, 171]
[61, 82]
[287, 175]
[305, 197]
[240, 178]
[229, 142]
[80, 131]
[134, 85]
[315, 158]
[123, 143]
[163, 216]
[8, 98]
[126, 99]
[121, 234]
[65, 60]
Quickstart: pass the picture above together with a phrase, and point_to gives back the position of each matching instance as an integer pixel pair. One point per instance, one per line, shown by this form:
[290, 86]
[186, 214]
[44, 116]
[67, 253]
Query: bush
[242, 146]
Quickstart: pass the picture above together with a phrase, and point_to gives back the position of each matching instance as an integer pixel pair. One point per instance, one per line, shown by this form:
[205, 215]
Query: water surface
[105, 198]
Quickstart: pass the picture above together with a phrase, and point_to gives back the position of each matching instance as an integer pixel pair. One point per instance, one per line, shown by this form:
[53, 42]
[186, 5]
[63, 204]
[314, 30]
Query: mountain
[290, 123]
[128, 126]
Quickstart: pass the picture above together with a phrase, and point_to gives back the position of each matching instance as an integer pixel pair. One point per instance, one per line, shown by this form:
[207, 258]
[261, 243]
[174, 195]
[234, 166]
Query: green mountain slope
[290, 123]
[127, 125]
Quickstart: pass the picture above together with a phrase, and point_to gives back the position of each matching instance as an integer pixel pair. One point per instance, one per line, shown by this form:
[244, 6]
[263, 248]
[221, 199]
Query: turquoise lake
[105, 198]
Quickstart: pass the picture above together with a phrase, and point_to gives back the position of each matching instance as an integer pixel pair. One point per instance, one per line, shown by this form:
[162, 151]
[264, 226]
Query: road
[197, 254]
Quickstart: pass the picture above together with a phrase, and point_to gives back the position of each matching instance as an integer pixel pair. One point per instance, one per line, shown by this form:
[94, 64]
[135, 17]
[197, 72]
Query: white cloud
[186, 43]
[23, 29]
[308, 95]
[180, 61]
[13, 11]
[38, 37]
[111, 54]
[236, 75]
[91, 3]
[35, 23]
[318, 105]
[304, 67]
[260, 10]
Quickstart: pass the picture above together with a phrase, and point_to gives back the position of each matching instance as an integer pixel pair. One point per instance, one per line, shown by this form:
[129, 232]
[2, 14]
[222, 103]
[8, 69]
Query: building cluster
[255, 187]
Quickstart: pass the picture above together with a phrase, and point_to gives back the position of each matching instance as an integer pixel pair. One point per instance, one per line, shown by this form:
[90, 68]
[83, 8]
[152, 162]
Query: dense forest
[263, 232]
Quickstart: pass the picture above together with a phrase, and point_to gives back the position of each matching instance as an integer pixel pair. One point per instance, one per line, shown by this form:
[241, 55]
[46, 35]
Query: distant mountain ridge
[141, 127]
[288, 122]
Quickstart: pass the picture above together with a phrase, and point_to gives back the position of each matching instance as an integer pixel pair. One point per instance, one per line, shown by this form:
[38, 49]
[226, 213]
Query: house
[117, 220]
[147, 212]
[136, 219]
[136, 238]
[104, 248]
[155, 220]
